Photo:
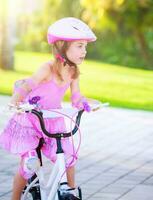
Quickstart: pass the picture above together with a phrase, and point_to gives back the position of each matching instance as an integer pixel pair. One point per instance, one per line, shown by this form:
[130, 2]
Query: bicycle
[56, 187]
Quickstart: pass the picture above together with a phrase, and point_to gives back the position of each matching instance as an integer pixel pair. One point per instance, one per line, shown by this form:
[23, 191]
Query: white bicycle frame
[49, 190]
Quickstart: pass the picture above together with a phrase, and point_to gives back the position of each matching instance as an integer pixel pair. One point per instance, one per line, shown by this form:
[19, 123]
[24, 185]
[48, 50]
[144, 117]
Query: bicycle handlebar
[39, 114]
[27, 108]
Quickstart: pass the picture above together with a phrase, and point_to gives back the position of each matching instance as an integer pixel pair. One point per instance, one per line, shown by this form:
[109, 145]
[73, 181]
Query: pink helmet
[69, 29]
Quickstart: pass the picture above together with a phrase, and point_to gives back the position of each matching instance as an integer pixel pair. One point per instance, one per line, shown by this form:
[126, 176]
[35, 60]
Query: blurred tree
[6, 45]
[70, 8]
[33, 27]
[130, 18]
[55, 9]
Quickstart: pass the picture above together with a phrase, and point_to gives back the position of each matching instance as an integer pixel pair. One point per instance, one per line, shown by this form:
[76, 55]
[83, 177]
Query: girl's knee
[29, 164]
[24, 174]
[70, 162]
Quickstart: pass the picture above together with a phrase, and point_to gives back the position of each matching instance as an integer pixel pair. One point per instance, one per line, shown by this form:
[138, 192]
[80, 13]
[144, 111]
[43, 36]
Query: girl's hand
[93, 105]
[86, 106]
[14, 107]
[11, 106]
[82, 103]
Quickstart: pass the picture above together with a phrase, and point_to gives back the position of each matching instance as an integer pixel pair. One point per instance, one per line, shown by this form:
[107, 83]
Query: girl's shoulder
[47, 66]
[44, 72]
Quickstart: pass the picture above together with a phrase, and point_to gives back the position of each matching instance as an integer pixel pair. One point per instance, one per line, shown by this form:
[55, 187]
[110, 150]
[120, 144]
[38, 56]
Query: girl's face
[77, 51]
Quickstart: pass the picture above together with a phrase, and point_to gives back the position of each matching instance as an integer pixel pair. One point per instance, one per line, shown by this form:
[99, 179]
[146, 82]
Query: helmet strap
[63, 59]
[60, 58]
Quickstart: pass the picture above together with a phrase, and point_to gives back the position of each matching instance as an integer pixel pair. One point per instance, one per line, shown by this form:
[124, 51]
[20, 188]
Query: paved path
[116, 156]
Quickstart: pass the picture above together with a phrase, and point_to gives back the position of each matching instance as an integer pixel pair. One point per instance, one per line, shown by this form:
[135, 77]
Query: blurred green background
[119, 64]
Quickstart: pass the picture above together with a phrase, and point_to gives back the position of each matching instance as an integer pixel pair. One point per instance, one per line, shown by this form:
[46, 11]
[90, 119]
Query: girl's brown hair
[60, 47]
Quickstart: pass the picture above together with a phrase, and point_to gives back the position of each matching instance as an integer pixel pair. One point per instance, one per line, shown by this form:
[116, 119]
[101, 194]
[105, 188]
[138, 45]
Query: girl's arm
[75, 92]
[23, 87]
[76, 97]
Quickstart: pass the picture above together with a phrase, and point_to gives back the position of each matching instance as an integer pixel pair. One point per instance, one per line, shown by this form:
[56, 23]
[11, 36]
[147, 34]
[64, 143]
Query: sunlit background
[121, 59]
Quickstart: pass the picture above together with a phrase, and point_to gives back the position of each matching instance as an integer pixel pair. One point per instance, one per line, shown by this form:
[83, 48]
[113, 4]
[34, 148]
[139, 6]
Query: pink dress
[23, 131]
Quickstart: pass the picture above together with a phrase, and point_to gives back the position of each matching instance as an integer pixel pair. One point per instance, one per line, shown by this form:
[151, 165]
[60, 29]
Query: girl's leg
[18, 185]
[19, 181]
[71, 176]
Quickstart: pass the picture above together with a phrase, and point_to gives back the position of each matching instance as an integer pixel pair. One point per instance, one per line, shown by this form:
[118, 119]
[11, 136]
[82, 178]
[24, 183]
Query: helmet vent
[75, 28]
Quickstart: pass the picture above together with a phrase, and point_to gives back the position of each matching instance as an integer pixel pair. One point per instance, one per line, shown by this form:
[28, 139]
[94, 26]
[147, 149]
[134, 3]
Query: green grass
[121, 86]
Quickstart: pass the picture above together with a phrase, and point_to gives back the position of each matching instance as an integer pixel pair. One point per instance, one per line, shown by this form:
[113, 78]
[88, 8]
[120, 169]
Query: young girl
[46, 87]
